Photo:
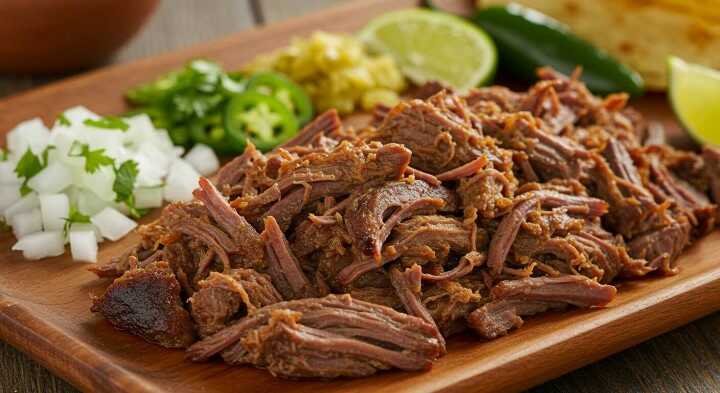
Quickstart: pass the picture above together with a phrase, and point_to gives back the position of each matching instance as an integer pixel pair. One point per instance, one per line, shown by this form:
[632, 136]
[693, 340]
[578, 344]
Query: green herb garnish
[94, 159]
[75, 217]
[108, 122]
[191, 97]
[125, 177]
[3, 154]
[63, 120]
[28, 166]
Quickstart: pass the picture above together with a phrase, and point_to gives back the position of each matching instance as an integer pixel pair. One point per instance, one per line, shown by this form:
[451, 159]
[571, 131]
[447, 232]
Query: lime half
[428, 45]
[695, 98]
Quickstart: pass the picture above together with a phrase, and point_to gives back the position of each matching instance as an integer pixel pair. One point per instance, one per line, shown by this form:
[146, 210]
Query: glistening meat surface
[347, 251]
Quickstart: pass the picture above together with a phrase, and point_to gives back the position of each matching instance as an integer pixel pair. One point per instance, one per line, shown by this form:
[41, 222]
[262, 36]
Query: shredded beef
[712, 165]
[441, 132]
[283, 267]
[146, 302]
[326, 123]
[517, 298]
[325, 337]
[344, 252]
[223, 297]
[336, 173]
[420, 239]
[373, 215]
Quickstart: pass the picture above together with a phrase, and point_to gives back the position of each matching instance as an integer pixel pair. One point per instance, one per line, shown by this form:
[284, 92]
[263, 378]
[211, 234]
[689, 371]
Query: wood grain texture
[684, 360]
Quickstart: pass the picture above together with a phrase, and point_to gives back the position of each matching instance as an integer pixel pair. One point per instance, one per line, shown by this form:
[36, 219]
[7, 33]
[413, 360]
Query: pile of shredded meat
[344, 252]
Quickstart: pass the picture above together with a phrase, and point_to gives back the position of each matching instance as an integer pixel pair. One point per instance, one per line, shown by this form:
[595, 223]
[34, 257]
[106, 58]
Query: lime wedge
[695, 98]
[429, 45]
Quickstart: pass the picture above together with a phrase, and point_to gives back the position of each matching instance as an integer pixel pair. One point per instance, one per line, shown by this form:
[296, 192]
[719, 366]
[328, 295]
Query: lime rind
[694, 93]
[428, 45]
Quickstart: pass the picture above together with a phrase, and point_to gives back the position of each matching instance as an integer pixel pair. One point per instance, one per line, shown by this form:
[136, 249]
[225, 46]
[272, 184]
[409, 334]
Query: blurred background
[53, 39]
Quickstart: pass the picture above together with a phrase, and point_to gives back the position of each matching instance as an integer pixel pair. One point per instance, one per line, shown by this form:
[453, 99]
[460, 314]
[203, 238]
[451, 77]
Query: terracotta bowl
[51, 36]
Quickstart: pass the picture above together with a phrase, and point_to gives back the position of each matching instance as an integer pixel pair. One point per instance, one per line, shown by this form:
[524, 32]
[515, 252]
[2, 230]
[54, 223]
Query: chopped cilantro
[125, 176]
[94, 159]
[63, 120]
[3, 154]
[74, 217]
[28, 166]
[4, 227]
[108, 122]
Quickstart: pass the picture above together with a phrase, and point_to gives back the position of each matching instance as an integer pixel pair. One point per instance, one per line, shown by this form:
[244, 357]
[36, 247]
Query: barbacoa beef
[525, 204]
[344, 252]
[146, 302]
[373, 215]
[325, 337]
[418, 240]
[283, 266]
[337, 173]
[222, 298]
[517, 298]
[441, 132]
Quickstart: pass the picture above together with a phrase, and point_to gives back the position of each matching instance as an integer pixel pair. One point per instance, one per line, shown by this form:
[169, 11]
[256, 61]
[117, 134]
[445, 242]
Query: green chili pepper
[211, 131]
[284, 91]
[527, 40]
[260, 118]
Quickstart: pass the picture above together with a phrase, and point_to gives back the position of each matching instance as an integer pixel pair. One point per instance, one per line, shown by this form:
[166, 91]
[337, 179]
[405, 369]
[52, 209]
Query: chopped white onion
[54, 178]
[152, 172]
[32, 134]
[203, 159]
[88, 203]
[148, 197]
[83, 246]
[100, 182]
[41, 245]
[24, 204]
[7, 174]
[181, 182]
[55, 210]
[9, 194]
[65, 182]
[87, 226]
[78, 114]
[112, 224]
[27, 223]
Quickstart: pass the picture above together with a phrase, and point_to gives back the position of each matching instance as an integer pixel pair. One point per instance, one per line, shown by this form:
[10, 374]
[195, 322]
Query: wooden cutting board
[44, 305]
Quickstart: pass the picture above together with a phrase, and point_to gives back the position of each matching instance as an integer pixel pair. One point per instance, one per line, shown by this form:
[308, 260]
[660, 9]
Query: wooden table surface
[684, 360]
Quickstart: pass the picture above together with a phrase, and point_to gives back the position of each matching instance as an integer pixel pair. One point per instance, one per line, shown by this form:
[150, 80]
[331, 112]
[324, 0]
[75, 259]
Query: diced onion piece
[63, 139]
[86, 226]
[32, 134]
[26, 223]
[151, 170]
[140, 123]
[83, 246]
[148, 197]
[112, 224]
[41, 245]
[9, 194]
[89, 203]
[55, 178]
[7, 173]
[24, 204]
[55, 209]
[181, 182]
[78, 114]
[203, 159]
[100, 182]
